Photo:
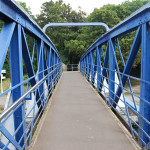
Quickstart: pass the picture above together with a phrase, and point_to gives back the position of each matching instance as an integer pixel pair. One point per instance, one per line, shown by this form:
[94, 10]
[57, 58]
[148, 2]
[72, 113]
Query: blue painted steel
[98, 51]
[111, 81]
[9, 136]
[40, 69]
[13, 11]
[88, 67]
[86, 63]
[2, 146]
[104, 67]
[145, 88]
[13, 36]
[45, 63]
[53, 66]
[18, 25]
[85, 70]
[5, 37]
[84, 66]
[111, 73]
[95, 65]
[80, 24]
[27, 59]
[17, 77]
[127, 69]
[92, 66]
[50, 65]
[135, 106]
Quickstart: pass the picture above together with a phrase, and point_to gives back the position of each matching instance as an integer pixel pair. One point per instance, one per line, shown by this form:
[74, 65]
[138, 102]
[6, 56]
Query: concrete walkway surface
[78, 120]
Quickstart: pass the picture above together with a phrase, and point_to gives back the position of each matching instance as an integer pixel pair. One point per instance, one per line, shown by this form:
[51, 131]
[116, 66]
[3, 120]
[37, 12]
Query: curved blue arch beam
[79, 24]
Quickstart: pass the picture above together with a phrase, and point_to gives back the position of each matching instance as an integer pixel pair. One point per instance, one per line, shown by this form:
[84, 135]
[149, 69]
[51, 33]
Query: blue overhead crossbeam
[77, 24]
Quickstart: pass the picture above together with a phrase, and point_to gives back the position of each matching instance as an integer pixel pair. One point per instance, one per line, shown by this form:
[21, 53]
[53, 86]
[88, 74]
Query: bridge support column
[82, 67]
[85, 66]
[98, 51]
[104, 71]
[16, 78]
[111, 72]
[95, 68]
[54, 64]
[88, 71]
[49, 69]
[53, 67]
[40, 62]
[145, 87]
[92, 66]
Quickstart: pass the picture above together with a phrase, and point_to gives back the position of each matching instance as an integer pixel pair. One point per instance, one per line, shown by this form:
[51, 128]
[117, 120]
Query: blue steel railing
[100, 66]
[26, 99]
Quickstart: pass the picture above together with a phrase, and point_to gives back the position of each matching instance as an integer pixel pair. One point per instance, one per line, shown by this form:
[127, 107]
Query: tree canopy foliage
[61, 36]
[72, 42]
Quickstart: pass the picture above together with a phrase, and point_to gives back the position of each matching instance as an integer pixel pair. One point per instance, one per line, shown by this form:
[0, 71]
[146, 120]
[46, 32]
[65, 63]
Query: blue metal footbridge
[27, 99]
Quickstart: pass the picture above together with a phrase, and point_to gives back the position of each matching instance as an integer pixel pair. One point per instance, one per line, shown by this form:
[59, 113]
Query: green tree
[26, 8]
[112, 15]
[60, 12]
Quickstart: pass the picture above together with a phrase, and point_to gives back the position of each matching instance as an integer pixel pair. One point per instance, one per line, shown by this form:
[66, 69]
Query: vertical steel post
[95, 67]
[80, 66]
[92, 66]
[54, 68]
[40, 67]
[88, 71]
[16, 78]
[57, 68]
[84, 66]
[48, 66]
[48, 60]
[111, 73]
[145, 87]
[98, 51]
[104, 71]
[53, 74]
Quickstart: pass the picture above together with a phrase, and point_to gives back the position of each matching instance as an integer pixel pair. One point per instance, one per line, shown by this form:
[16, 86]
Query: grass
[1, 108]
[137, 102]
[135, 92]
[133, 83]
[127, 93]
[6, 84]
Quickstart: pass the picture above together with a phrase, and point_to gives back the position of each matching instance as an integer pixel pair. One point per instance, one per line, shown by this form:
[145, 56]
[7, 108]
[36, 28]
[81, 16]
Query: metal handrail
[7, 111]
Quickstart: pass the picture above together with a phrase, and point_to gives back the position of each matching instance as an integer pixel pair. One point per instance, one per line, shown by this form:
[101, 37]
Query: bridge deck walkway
[79, 120]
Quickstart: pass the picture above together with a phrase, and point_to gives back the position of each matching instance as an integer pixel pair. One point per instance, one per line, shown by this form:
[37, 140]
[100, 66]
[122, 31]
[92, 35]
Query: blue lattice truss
[99, 65]
[17, 28]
